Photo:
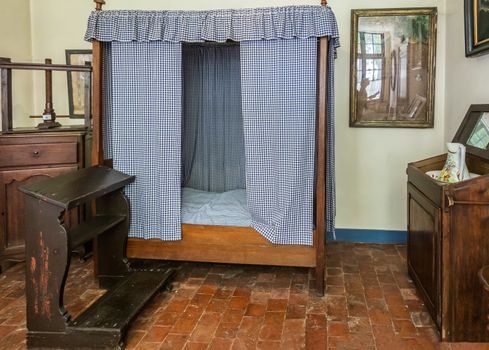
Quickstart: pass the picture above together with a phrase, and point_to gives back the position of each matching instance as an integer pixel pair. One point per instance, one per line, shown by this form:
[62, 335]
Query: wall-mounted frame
[476, 27]
[393, 55]
[76, 82]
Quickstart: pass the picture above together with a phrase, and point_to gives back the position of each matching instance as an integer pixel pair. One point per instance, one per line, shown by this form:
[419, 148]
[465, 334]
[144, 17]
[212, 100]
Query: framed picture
[476, 27]
[76, 82]
[393, 67]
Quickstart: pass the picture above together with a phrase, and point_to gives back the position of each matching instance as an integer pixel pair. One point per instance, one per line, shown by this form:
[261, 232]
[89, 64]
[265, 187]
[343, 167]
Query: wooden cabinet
[424, 249]
[26, 158]
[448, 241]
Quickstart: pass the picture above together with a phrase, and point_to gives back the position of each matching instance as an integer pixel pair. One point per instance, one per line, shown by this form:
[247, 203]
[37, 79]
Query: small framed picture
[476, 27]
[76, 82]
[393, 68]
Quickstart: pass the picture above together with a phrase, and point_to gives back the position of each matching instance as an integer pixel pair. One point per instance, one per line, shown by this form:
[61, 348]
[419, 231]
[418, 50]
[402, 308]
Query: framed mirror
[474, 131]
[393, 67]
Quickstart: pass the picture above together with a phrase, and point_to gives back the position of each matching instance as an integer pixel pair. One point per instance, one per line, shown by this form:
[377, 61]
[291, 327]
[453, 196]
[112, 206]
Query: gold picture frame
[393, 54]
[76, 82]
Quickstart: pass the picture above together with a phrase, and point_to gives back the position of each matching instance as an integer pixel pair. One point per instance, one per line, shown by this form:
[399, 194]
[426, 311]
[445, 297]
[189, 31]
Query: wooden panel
[222, 244]
[90, 229]
[6, 96]
[433, 163]
[12, 229]
[469, 251]
[424, 249]
[34, 137]
[477, 165]
[425, 184]
[111, 312]
[40, 154]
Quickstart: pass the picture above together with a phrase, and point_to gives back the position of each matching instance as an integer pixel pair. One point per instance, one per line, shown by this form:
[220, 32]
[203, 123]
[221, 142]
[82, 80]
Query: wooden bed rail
[44, 66]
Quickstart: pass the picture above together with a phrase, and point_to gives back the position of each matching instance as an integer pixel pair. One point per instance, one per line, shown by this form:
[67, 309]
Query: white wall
[57, 26]
[467, 79]
[371, 163]
[15, 43]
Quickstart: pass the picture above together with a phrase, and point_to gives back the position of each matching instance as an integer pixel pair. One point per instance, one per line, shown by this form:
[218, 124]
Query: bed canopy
[283, 86]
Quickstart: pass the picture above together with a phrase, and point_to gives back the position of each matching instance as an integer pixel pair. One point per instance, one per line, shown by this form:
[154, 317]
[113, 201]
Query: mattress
[211, 208]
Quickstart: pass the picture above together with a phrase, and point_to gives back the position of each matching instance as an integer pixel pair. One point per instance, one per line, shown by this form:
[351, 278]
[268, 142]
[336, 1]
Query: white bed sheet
[211, 208]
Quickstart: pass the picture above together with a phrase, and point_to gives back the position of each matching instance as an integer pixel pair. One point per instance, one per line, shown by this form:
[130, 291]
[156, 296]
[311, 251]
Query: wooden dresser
[26, 157]
[448, 238]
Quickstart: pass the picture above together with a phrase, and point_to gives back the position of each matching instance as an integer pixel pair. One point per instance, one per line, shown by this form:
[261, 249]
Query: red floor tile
[370, 303]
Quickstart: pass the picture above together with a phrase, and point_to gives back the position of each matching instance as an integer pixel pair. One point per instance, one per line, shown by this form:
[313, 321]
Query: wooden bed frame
[229, 244]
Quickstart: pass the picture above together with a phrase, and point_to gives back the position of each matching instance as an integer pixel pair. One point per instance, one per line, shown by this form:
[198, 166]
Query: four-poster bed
[233, 244]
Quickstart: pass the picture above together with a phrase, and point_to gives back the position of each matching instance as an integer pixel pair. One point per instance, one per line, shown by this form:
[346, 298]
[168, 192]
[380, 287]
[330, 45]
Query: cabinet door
[424, 244]
[12, 228]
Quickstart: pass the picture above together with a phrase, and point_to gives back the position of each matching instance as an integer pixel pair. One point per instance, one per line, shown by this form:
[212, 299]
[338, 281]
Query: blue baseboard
[369, 236]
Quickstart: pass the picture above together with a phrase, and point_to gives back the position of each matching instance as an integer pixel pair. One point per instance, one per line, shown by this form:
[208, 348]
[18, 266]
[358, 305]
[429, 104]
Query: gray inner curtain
[213, 157]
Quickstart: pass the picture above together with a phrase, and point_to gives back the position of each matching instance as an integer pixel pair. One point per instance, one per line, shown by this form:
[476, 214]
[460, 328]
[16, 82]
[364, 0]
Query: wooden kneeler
[48, 253]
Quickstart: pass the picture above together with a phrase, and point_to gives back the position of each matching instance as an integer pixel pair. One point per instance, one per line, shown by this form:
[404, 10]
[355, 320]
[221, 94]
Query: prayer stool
[48, 253]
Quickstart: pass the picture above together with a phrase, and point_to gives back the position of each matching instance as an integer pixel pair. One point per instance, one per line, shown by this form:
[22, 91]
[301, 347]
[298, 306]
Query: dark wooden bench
[48, 253]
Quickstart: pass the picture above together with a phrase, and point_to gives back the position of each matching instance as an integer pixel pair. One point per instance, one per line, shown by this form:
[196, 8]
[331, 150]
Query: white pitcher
[455, 168]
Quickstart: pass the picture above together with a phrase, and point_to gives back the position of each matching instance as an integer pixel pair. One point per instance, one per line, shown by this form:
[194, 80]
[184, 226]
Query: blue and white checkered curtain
[143, 110]
[146, 133]
[279, 112]
[268, 23]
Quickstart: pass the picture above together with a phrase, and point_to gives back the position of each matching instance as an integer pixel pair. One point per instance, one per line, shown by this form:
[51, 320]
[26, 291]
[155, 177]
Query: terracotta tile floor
[370, 304]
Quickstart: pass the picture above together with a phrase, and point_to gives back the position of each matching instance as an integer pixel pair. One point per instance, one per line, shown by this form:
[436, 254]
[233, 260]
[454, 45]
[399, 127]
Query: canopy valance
[217, 25]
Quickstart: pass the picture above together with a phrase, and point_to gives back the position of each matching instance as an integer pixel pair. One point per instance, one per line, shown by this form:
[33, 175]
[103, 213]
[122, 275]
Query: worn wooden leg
[47, 264]
[111, 246]
[320, 266]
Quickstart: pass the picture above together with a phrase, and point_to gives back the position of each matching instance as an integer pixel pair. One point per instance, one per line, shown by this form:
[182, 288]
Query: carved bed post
[321, 159]
[97, 115]
[97, 105]
[99, 4]
[319, 239]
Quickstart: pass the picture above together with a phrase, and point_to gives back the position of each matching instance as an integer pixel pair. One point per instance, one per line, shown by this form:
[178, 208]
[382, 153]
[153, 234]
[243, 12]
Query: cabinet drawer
[40, 154]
